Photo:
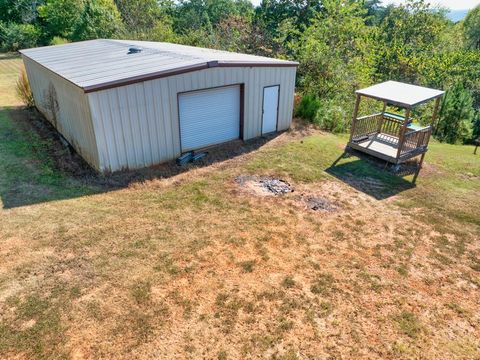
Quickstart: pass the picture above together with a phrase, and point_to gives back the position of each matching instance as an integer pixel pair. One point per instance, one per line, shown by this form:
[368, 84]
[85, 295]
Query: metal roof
[401, 94]
[101, 64]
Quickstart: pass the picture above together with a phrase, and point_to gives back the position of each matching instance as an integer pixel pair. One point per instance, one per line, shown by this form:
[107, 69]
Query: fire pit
[319, 204]
[264, 185]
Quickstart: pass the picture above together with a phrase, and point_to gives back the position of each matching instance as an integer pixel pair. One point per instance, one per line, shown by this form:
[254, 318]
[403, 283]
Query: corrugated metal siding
[72, 118]
[137, 125]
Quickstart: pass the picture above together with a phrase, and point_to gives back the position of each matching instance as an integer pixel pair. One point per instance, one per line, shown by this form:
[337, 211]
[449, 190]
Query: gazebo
[389, 136]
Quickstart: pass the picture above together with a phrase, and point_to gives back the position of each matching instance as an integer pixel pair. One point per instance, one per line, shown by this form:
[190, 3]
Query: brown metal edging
[242, 110]
[179, 71]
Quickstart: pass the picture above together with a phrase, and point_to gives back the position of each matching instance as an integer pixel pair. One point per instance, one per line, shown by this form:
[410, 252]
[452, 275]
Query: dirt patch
[263, 185]
[319, 204]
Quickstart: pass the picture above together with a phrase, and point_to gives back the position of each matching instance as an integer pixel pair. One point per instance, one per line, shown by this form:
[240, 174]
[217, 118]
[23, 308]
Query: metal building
[130, 104]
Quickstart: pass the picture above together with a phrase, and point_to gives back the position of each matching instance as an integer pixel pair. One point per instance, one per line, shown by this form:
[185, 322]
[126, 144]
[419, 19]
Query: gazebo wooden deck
[393, 137]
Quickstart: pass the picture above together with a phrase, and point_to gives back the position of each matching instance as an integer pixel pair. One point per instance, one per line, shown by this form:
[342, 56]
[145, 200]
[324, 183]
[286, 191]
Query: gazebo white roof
[400, 94]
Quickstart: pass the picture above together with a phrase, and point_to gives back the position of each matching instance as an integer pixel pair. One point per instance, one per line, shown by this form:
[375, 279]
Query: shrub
[23, 89]
[14, 36]
[57, 40]
[99, 19]
[331, 117]
[308, 107]
[456, 116]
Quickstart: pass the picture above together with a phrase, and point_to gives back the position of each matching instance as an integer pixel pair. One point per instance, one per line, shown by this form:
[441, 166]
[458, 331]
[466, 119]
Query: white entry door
[270, 109]
[208, 117]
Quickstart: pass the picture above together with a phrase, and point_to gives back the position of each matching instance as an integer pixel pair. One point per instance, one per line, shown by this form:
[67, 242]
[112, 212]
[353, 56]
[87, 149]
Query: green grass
[409, 324]
[28, 173]
[10, 66]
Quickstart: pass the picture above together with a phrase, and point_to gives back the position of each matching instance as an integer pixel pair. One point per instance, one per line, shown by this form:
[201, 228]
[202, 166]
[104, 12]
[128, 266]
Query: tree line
[341, 45]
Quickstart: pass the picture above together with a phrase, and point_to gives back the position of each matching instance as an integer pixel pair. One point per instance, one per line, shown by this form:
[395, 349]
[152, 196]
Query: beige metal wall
[70, 112]
[137, 125]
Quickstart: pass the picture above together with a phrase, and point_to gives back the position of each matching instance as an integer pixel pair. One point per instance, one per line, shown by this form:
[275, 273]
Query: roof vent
[134, 50]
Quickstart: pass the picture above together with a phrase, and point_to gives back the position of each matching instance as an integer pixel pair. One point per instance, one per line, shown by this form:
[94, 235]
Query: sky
[451, 4]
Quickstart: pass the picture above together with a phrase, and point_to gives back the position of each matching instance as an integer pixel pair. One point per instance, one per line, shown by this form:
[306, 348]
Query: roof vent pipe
[134, 50]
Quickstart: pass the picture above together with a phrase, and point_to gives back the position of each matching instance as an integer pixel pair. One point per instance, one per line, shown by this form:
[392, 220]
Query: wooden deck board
[388, 149]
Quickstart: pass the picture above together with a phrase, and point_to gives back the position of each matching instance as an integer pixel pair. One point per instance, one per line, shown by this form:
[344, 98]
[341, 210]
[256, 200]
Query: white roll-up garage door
[209, 116]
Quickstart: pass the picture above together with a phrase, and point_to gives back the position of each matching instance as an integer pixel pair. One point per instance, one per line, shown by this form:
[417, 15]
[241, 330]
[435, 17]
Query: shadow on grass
[37, 167]
[370, 175]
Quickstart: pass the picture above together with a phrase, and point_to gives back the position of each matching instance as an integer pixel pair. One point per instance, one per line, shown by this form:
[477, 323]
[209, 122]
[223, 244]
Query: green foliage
[15, 36]
[332, 117]
[272, 13]
[99, 19]
[472, 28]
[336, 52]
[456, 116]
[409, 35]
[308, 107]
[60, 16]
[19, 11]
[140, 16]
[206, 14]
[57, 40]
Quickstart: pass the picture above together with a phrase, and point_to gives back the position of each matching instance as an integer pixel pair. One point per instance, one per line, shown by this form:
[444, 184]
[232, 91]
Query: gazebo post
[380, 123]
[401, 138]
[435, 115]
[354, 119]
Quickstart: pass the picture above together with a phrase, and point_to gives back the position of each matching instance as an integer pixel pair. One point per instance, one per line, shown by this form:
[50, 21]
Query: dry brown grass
[193, 266]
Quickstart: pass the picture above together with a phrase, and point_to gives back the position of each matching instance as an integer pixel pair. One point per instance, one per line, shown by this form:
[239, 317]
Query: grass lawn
[194, 265]
[10, 66]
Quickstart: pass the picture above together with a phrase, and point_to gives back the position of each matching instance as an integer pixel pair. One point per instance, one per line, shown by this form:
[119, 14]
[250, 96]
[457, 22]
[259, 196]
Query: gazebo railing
[388, 130]
[366, 126]
[415, 141]
[391, 126]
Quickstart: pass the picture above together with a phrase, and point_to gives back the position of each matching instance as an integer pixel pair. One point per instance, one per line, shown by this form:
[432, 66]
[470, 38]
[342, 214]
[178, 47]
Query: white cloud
[451, 4]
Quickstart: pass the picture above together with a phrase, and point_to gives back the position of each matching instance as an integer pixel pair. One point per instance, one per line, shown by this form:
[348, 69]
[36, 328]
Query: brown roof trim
[182, 70]
[257, 64]
[146, 77]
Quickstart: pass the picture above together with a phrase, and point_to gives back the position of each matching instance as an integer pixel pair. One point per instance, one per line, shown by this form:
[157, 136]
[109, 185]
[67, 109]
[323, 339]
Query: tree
[240, 34]
[471, 27]
[300, 12]
[19, 11]
[99, 19]
[15, 36]
[456, 116]
[207, 14]
[60, 16]
[335, 52]
[139, 15]
[409, 35]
